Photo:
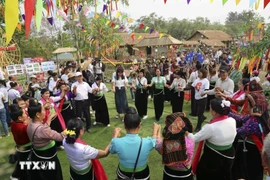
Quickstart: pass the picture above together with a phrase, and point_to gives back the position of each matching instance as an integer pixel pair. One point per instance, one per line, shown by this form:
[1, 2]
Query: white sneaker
[149, 97]
[94, 123]
[117, 116]
[61, 147]
[108, 125]
[13, 178]
[145, 117]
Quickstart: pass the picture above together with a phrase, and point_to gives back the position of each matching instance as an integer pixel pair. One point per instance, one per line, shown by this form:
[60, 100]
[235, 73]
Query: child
[255, 77]
[80, 154]
[23, 144]
[37, 94]
[132, 82]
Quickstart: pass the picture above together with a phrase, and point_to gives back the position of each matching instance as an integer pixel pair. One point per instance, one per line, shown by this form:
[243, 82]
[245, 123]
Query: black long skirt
[169, 174]
[55, 125]
[158, 103]
[68, 112]
[102, 112]
[193, 106]
[121, 100]
[142, 175]
[141, 102]
[177, 102]
[48, 155]
[247, 165]
[88, 176]
[22, 156]
[213, 166]
[168, 94]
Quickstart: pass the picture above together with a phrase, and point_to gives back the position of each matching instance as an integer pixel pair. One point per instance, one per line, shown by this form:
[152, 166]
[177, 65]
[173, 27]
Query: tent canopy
[64, 50]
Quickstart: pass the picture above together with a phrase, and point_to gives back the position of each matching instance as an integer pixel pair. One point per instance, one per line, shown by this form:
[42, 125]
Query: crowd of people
[43, 120]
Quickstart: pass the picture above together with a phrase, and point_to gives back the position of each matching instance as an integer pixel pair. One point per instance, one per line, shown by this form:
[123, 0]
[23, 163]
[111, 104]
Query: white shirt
[221, 133]
[1, 100]
[52, 84]
[64, 77]
[82, 90]
[54, 99]
[193, 76]
[178, 59]
[91, 68]
[141, 82]
[120, 82]
[8, 84]
[13, 94]
[178, 83]
[4, 90]
[267, 177]
[2, 75]
[266, 83]
[102, 87]
[200, 86]
[98, 68]
[256, 78]
[79, 155]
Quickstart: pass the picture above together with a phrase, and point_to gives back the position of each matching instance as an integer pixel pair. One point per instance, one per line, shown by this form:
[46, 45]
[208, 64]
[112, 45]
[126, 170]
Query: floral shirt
[190, 151]
[250, 125]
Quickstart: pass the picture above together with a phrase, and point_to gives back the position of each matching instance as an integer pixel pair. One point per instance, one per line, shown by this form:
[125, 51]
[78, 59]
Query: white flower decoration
[225, 103]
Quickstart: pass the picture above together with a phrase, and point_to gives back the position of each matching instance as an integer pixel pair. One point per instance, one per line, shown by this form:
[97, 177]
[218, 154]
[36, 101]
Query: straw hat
[86, 64]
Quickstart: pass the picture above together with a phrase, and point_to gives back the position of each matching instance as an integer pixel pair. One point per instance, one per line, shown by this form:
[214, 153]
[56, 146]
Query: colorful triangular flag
[224, 2]
[266, 2]
[237, 2]
[251, 2]
[257, 4]
[211, 1]
[188, 1]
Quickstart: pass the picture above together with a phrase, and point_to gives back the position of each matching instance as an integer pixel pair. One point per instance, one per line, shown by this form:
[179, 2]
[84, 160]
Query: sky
[215, 11]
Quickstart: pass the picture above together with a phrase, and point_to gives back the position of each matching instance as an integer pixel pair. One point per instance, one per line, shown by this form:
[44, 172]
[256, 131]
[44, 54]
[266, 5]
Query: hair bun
[33, 102]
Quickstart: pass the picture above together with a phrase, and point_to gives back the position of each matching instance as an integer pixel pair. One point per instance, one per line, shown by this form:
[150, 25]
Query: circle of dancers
[233, 144]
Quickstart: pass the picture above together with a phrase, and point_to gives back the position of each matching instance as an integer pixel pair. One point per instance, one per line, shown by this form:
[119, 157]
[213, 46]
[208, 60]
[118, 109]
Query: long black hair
[120, 70]
[34, 108]
[75, 125]
[15, 112]
[132, 119]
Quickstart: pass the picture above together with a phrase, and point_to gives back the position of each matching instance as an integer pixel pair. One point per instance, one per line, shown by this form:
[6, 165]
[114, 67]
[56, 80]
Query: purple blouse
[250, 125]
[69, 95]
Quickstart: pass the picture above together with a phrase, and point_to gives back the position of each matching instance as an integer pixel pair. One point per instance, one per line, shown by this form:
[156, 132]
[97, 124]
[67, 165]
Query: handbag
[31, 150]
[134, 169]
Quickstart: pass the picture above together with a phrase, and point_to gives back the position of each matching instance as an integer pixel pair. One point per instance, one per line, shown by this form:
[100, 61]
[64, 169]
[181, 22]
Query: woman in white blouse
[101, 108]
[178, 85]
[120, 83]
[218, 136]
[141, 95]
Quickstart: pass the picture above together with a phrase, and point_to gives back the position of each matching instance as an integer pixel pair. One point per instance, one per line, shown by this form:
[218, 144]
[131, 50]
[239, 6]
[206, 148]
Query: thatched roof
[214, 34]
[64, 50]
[213, 43]
[127, 40]
[190, 43]
[156, 41]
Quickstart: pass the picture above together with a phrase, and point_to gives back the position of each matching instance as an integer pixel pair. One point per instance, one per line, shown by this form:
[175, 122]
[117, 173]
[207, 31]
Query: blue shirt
[127, 149]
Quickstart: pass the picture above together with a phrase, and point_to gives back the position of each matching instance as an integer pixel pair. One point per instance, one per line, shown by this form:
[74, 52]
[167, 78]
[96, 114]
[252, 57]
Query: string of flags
[37, 10]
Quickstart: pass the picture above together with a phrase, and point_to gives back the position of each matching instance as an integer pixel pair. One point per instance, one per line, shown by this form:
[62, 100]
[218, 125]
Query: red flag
[29, 7]
[112, 25]
[165, 1]
[141, 26]
[266, 2]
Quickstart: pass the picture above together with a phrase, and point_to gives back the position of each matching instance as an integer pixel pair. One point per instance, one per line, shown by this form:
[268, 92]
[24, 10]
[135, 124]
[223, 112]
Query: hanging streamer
[188, 1]
[39, 8]
[29, 7]
[237, 2]
[257, 4]
[224, 2]
[266, 2]
[251, 2]
[11, 18]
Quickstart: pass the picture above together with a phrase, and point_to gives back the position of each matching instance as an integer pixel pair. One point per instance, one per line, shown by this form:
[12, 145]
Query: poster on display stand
[48, 65]
[16, 69]
[32, 68]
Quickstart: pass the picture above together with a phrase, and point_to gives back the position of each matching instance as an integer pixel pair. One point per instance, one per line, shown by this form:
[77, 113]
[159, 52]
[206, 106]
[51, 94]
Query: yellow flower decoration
[70, 132]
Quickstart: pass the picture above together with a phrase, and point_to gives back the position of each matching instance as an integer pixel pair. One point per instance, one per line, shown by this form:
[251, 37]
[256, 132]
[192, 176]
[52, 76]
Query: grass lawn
[99, 138]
